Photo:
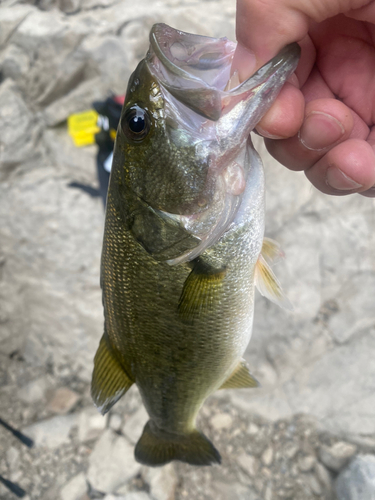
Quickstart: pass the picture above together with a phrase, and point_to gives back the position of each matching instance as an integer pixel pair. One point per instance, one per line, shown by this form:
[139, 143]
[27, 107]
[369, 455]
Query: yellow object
[82, 127]
[112, 134]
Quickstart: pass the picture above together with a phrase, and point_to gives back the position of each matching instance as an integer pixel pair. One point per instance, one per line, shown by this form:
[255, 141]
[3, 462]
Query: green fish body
[183, 238]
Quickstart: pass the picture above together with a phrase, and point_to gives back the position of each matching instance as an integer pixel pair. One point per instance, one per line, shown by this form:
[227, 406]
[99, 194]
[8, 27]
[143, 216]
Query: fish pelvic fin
[109, 380]
[157, 447]
[240, 378]
[200, 291]
[265, 279]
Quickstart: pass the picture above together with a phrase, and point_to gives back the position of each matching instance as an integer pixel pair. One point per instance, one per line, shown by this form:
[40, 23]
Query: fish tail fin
[157, 447]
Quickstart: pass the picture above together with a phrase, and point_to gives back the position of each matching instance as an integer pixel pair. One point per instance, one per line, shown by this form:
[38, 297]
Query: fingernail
[293, 80]
[264, 133]
[320, 130]
[244, 62]
[336, 179]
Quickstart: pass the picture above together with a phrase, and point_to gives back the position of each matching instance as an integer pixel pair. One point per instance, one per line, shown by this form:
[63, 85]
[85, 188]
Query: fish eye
[135, 123]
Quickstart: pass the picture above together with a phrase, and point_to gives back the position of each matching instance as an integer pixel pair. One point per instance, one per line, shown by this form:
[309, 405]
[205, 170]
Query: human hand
[323, 121]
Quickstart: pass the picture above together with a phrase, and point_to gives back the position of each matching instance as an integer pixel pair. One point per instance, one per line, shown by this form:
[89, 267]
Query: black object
[13, 487]
[24, 439]
[91, 191]
[110, 113]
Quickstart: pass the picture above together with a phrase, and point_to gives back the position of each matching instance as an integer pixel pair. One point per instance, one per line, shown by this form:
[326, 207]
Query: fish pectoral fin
[200, 291]
[269, 286]
[240, 378]
[109, 380]
[271, 250]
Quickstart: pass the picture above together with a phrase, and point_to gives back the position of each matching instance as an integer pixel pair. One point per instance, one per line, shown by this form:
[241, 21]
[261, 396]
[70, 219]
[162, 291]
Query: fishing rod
[13, 487]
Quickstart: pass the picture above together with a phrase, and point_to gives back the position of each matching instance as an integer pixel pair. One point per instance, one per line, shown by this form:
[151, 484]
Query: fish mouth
[196, 69]
[194, 72]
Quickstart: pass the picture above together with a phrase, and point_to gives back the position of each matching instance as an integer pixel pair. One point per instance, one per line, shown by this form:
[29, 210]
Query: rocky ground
[309, 433]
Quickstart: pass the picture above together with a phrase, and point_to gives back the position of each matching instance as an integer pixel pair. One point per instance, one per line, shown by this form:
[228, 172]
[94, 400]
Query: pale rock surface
[134, 495]
[357, 480]
[337, 456]
[267, 456]
[221, 421]
[115, 422]
[248, 463]
[307, 463]
[133, 427]
[224, 491]
[52, 432]
[19, 130]
[12, 456]
[35, 390]
[162, 481]
[75, 488]
[324, 476]
[91, 424]
[111, 463]
[62, 400]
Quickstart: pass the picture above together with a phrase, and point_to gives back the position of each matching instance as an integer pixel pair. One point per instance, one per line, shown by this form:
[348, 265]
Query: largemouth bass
[183, 238]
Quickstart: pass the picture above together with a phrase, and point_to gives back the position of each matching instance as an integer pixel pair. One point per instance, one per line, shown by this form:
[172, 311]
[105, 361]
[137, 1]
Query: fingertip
[244, 62]
[347, 168]
[285, 117]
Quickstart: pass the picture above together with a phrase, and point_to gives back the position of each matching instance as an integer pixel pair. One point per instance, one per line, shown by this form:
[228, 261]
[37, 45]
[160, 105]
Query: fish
[184, 242]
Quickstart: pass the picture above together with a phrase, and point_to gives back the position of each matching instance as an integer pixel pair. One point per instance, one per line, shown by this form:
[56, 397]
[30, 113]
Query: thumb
[264, 27]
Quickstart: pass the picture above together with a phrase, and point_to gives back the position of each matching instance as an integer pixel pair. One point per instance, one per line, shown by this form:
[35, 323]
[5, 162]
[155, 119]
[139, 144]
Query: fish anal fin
[269, 286]
[109, 380]
[240, 378]
[158, 447]
[200, 291]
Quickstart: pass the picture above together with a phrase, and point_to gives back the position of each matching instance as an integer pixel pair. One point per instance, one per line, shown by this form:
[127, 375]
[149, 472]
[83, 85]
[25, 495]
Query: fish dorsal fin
[200, 291]
[268, 285]
[109, 380]
[240, 378]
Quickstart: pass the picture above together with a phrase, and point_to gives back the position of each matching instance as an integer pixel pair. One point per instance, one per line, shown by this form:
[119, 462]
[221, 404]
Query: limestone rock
[221, 421]
[133, 427]
[13, 456]
[75, 488]
[115, 422]
[357, 480]
[248, 463]
[111, 463]
[52, 432]
[91, 424]
[224, 491]
[134, 495]
[337, 456]
[10, 18]
[306, 463]
[267, 456]
[324, 476]
[18, 129]
[35, 390]
[63, 400]
[78, 99]
[162, 481]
